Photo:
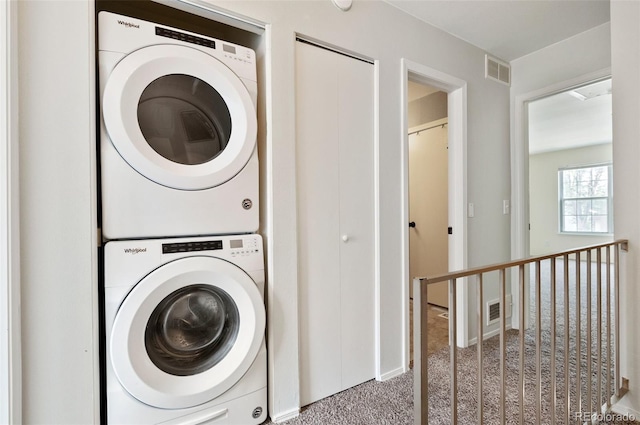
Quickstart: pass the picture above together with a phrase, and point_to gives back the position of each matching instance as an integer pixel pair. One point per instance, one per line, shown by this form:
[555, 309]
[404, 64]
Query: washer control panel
[244, 246]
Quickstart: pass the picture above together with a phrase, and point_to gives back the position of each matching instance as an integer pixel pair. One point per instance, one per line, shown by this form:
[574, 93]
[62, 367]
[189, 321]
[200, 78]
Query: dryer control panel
[171, 248]
[126, 34]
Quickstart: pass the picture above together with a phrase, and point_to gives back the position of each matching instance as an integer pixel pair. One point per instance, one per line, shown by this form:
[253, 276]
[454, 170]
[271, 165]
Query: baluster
[578, 335]
[503, 348]
[553, 340]
[522, 329]
[589, 341]
[480, 339]
[608, 264]
[538, 346]
[567, 384]
[452, 344]
[599, 345]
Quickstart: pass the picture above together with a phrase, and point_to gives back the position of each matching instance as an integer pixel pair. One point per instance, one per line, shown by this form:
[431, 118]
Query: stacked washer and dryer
[184, 275]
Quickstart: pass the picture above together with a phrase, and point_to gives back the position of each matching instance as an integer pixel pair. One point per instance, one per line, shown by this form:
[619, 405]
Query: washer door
[187, 332]
[179, 117]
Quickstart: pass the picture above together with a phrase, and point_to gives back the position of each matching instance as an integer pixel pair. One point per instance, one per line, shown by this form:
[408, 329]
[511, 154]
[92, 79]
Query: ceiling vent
[497, 70]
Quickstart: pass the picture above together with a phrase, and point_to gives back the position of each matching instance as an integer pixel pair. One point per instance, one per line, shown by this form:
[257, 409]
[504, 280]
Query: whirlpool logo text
[128, 24]
[134, 251]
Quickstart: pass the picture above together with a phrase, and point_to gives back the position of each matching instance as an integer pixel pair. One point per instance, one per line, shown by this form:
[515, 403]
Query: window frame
[609, 198]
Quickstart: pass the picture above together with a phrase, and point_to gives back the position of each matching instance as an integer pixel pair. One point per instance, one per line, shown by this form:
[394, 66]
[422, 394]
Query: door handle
[345, 238]
[412, 224]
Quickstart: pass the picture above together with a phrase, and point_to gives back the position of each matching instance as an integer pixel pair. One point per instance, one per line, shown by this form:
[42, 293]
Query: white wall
[612, 45]
[379, 31]
[564, 61]
[58, 177]
[543, 191]
[570, 62]
[574, 61]
[625, 63]
[58, 212]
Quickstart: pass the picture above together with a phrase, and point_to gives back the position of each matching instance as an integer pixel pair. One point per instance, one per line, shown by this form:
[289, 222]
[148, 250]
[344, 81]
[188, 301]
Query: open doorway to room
[570, 168]
[453, 115]
[428, 159]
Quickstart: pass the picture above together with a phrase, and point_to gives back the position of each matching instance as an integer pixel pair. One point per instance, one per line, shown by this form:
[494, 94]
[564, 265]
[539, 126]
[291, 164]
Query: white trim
[290, 414]
[488, 335]
[209, 11]
[457, 134]
[520, 177]
[377, 310]
[393, 373]
[10, 335]
[620, 409]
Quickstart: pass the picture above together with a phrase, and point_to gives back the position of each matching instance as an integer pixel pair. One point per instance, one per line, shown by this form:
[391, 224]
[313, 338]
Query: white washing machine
[185, 325]
[178, 132]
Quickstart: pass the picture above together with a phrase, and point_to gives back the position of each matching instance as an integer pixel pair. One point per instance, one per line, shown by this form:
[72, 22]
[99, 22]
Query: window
[585, 199]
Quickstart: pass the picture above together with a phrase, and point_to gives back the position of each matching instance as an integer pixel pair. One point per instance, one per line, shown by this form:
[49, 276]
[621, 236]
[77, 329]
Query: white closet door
[334, 152]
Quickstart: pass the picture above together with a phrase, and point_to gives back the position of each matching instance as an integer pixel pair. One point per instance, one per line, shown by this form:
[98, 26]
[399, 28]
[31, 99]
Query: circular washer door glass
[192, 329]
[184, 119]
[187, 332]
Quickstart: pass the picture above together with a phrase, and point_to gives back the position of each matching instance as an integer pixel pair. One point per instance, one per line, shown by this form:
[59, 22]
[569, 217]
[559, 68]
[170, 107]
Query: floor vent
[493, 312]
[497, 70]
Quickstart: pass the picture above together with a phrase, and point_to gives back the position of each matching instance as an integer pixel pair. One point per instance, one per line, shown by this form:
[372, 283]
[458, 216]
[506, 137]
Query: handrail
[420, 291]
[513, 263]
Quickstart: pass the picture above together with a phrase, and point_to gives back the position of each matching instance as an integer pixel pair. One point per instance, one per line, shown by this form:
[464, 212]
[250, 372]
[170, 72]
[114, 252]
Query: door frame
[456, 90]
[520, 244]
[10, 334]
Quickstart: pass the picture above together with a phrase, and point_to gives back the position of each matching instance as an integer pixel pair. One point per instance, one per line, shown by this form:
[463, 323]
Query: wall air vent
[493, 312]
[497, 70]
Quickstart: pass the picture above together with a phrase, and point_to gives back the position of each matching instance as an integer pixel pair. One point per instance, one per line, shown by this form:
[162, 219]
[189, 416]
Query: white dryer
[184, 325]
[178, 132]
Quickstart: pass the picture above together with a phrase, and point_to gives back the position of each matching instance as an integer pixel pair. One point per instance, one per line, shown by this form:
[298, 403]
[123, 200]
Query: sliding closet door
[334, 153]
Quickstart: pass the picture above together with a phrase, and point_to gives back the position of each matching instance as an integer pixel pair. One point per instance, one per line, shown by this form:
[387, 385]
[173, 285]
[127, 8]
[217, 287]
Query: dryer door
[187, 332]
[179, 117]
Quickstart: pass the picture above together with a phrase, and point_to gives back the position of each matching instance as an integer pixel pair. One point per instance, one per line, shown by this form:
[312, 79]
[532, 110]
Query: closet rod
[428, 128]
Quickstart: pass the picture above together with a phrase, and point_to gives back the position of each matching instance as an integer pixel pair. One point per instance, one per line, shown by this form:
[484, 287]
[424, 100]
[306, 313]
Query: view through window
[585, 200]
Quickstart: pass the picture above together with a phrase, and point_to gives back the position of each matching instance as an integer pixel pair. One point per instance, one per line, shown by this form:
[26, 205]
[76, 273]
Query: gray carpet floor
[391, 402]
[384, 403]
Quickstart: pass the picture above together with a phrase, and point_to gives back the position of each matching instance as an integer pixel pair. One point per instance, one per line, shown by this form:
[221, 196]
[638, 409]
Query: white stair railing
[607, 356]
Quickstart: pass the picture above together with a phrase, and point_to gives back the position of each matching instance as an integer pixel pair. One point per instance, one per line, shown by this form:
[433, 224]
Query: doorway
[455, 92]
[570, 167]
[428, 188]
[520, 177]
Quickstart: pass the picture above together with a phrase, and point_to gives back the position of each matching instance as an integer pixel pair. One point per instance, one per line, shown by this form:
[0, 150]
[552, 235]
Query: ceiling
[571, 119]
[509, 29]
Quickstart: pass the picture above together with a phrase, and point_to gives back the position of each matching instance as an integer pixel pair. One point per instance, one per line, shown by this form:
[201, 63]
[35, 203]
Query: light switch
[505, 206]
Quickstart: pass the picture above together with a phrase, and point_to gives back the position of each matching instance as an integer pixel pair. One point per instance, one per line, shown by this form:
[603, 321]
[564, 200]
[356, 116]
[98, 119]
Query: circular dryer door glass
[191, 330]
[184, 119]
[180, 117]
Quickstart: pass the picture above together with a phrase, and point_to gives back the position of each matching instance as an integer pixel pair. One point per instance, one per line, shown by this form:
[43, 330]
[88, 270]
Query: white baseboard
[286, 415]
[392, 374]
[625, 411]
[487, 335]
